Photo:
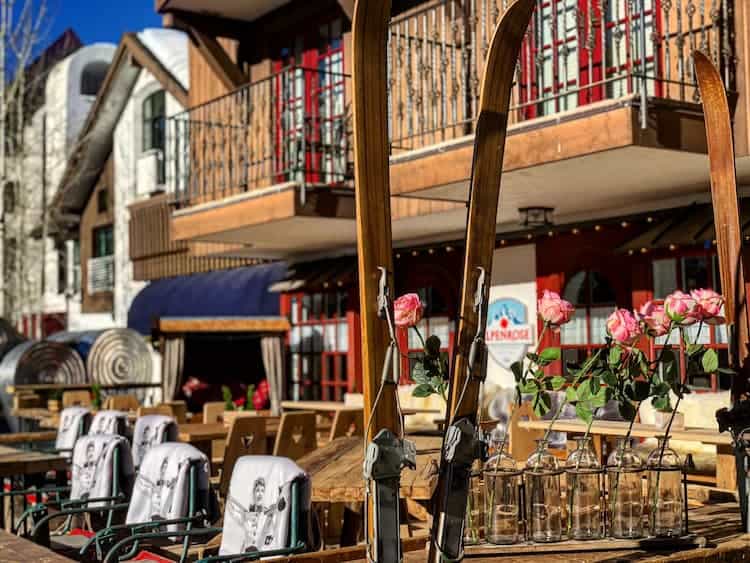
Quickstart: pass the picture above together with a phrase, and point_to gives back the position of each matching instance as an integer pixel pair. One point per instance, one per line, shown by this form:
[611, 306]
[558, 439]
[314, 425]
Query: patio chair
[151, 430]
[247, 436]
[110, 422]
[347, 422]
[79, 398]
[121, 402]
[102, 479]
[171, 504]
[297, 435]
[267, 514]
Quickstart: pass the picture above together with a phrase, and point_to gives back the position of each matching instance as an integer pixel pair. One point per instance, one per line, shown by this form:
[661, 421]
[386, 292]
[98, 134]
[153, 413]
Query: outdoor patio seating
[296, 436]
[110, 422]
[151, 430]
[121, 402]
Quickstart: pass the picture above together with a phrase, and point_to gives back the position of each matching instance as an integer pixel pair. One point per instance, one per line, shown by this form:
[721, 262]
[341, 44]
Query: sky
[100, 20]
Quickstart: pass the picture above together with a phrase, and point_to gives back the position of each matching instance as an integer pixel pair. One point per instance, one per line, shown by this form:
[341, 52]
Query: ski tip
[704, 68]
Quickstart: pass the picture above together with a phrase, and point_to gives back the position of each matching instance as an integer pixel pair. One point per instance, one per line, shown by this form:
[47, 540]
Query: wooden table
[14, 549]
[726, 477]
[317, 406]
[336, 470]
[14, 461]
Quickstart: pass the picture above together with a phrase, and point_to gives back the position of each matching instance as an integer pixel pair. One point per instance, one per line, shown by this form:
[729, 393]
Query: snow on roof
[170, 47]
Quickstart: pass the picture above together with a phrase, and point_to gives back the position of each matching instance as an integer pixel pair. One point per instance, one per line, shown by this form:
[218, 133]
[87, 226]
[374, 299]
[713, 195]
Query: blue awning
[240, 292]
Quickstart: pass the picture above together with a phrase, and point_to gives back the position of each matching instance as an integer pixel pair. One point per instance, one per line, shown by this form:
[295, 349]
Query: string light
[529, 236]
[398, 255]
[414, 253]
[449, 249]
[431, 251]
[644, 250]
[575, 231]
[597, 228]
[550, 233]
[649, 219]
[631, 252]
[672, 247]
[625, 224]
[503, 242]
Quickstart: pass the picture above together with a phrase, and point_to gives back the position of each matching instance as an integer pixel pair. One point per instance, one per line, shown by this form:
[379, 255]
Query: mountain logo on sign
[509, 333]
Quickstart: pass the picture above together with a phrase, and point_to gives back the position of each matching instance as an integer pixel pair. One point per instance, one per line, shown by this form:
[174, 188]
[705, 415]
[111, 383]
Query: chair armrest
[255, 555]
[72, 511]
[73, 503]
[31, 491]
[197, 532]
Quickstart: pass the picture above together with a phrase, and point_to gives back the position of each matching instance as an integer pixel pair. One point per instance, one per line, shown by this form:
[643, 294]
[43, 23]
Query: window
[102, 200]
[9, 198]
[318, 346]
[594, 299]
[92, 77]
[104, 244]
[153, 121]
[687, 273]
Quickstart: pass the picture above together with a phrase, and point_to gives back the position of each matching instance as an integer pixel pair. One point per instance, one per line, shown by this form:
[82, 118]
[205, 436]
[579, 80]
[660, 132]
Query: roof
[163, 52]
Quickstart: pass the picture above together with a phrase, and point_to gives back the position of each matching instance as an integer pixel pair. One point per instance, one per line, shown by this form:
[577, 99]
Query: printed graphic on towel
[144, 442]
[160, 492]
[104, 425]
[88, 472]
[67, 421]
[258, 520]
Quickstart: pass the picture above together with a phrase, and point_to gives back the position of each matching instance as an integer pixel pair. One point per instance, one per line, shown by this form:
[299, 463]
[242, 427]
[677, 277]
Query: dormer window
[92, 77]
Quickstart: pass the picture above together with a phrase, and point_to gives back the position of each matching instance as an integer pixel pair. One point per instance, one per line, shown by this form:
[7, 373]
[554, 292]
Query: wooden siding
[204, 84]
[153, 252]
[91, 219]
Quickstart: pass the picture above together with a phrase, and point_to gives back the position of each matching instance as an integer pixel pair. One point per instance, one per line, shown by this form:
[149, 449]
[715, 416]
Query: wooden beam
[224, 68]
[146, 59]
[227, 324]
[348, 7]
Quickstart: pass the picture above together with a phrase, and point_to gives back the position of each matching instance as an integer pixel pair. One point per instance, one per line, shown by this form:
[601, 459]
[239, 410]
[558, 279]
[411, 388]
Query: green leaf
[614, 356]
[670, 367]
[662, 403]
[432, 346]
[727, 371]
[423, 390]
[571, 395]
[419, 373]
[583, 411]
[550, 354]
[584, 392]
[627, 410]
[532, 357]
[557, 382]
[609, 378]
[594, 385]
[694, 349]
[641, 390]
[710, 361]
[530, 386]
[659, 389]
[517, 369]
[543, 404]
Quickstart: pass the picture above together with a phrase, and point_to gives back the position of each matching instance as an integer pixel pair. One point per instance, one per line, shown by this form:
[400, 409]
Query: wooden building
[606, 134]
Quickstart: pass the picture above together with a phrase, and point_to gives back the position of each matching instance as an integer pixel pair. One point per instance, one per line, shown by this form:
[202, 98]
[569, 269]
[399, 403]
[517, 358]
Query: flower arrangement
[254, 399]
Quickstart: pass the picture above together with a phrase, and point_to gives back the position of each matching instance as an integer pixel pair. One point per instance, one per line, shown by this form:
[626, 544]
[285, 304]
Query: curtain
[172, 366]
[273, 361]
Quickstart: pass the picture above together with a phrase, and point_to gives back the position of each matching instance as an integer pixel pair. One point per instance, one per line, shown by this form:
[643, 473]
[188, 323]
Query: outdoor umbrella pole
[387, 452]
[461, 444]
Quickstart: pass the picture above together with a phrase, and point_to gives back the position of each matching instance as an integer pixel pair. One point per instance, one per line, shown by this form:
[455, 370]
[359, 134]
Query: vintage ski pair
[387, 452]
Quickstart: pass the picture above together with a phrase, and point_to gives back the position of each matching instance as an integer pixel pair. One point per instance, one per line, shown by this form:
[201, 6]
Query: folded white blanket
[161, 490]
[73, 422]
[94, 471]
[258, 507]
[109, 422]
[151, 430]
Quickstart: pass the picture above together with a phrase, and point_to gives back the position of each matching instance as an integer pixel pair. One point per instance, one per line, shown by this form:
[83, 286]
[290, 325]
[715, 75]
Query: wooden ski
[726, 216]
[460, 444]
[387, 453]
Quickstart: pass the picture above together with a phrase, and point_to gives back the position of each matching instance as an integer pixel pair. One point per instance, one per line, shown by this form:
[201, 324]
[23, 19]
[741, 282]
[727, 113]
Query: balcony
[101, 274]
[600, 85]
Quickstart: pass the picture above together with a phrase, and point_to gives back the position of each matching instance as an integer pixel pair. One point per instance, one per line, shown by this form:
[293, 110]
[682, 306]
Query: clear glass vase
[474, 526]
[502, 481]
[665, 501]
[625, 471]
[543, 495]
[583, 477]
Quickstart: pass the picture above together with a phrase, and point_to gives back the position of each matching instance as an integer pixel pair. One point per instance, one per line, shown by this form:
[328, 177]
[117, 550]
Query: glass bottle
[474, 525]
[584, 487]
[502, 481]
[665, 491]
[625, 503]
[543, 495]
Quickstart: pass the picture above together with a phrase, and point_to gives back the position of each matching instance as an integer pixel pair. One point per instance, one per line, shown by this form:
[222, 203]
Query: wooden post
[726, 216]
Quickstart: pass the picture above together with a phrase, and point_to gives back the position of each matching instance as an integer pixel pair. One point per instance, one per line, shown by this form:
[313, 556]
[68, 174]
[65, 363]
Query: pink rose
[655, 318]
[623, 327]
[682, 308]
[710, 305]
[554, 310]
[408, 310]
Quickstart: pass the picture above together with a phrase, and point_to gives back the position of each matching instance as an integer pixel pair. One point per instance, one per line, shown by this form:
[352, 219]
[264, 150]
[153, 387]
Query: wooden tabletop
[204, 432]
[336, 470]
[14, 461]
[614, 428]
[317, 406]
[14, 549]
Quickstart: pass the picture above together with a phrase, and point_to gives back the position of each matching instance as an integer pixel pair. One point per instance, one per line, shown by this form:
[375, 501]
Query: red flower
[264, 388]
[240, 402]
[408, 310]
[259, 400]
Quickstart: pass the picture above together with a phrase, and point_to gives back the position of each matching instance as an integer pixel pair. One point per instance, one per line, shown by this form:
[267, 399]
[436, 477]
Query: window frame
[95, 248]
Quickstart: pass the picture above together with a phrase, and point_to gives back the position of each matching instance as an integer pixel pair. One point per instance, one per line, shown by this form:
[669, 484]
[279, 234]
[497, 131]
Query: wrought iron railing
[101, 274]
[294, 126]
[290, 127]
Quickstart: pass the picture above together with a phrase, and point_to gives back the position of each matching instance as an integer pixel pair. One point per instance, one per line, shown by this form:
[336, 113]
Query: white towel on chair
[108, 422]
[72, 423]
[258, 506]
[151, 430]
[161, 490]
[94, 468]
